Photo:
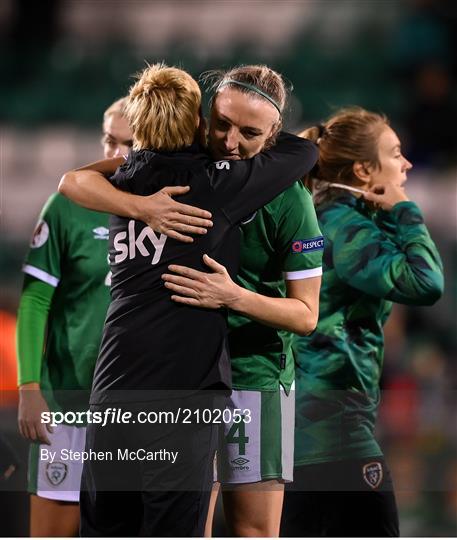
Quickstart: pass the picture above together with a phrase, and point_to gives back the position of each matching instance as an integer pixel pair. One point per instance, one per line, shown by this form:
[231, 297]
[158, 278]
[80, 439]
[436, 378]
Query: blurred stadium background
[63, 61]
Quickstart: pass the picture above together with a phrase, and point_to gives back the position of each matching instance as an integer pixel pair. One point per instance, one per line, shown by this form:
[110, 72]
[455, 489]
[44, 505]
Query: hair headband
[252, 88]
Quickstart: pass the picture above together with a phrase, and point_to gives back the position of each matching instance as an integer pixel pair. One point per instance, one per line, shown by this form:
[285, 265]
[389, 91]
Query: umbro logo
[240, 461]
[240, 464]
[101, 233]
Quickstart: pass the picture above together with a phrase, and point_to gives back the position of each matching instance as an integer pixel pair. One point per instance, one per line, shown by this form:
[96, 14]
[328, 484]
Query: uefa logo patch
[305, 246]
[372, 474]
[40, 234]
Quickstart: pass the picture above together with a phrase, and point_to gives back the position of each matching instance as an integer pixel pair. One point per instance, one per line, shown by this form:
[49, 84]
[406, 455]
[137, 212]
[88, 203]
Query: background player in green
[241, 125]
[342, 486]
[61, 315]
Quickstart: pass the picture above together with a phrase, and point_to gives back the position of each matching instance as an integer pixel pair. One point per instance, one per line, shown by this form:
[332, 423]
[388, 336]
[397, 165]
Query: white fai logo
[40, 234]
[101, 233]
[125, 249]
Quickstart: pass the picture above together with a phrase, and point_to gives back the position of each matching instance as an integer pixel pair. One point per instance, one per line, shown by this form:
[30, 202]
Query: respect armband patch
[305, 246]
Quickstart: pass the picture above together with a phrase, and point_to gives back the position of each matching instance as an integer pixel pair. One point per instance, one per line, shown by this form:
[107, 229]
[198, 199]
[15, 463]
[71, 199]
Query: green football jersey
[370, 260]
[282, 241]
[69, 250]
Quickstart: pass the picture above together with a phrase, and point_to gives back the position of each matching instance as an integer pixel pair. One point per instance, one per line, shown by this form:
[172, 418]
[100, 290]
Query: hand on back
[167, 216]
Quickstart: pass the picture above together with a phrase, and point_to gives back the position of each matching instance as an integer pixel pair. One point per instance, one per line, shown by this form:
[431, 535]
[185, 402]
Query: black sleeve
[131, 175]
[120, 179]
[246, 185]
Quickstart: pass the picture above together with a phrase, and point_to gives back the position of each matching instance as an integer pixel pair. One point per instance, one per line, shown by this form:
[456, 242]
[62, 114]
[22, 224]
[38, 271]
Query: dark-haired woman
[378, 251]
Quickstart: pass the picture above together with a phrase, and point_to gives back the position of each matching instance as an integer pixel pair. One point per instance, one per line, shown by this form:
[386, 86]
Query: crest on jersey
[40, 234]
[56, 472]
[101, 233]
[372, 474]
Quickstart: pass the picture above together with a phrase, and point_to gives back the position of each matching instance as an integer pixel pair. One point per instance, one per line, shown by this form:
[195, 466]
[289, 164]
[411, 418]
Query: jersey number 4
[237, 435]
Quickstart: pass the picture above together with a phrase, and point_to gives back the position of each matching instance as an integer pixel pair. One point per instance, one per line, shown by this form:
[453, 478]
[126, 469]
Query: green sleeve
[31, 327]
[50, 241]
[300, 242]
[392, 257]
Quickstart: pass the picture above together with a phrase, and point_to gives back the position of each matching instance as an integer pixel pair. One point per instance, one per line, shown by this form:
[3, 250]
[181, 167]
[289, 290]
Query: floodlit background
[62, 62]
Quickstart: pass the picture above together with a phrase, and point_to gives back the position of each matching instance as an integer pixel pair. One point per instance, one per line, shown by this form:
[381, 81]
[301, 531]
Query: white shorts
[50, 474]
[261, 446]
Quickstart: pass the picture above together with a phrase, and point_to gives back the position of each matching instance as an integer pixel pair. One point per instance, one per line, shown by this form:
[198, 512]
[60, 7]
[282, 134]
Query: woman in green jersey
[276, 293]
[377, 251]
[63, 304]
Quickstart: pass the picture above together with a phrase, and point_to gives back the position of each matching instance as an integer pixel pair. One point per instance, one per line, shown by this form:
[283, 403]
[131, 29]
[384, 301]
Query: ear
[274, 132]
[276, 127]
[362, 171]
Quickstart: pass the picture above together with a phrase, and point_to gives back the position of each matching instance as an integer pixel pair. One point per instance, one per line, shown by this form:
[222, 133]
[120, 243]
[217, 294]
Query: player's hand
[385, 197]
[176, 220]
[207, 290]
[31, 405]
